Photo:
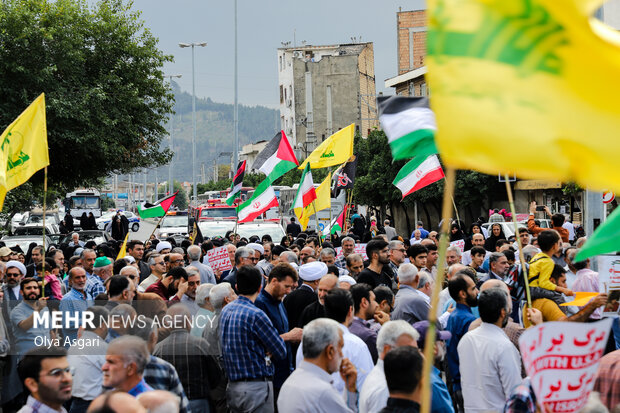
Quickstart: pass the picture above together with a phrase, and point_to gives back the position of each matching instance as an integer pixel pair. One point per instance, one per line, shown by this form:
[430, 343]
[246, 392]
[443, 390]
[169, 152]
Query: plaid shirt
[161, 375]
[94, 286]
[246, 334]
[35, 406]
[341, 262]
[608, 379]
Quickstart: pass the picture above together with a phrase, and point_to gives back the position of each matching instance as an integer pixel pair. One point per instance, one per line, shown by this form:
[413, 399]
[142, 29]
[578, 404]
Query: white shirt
[490, 368]
[374, 393]
[444, 297]
[443, 318]
[356, 351]
[147, 282]
[87, 380]
[309, 389]
[571, 230]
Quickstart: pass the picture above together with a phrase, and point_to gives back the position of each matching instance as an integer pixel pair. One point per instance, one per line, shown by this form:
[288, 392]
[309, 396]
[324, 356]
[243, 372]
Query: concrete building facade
[324, 89]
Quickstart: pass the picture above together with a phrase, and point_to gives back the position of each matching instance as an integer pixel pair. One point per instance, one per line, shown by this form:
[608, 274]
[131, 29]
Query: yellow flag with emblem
[23, 148]
[323, 201]
[335, 150]
[123, 251]
[527, 87]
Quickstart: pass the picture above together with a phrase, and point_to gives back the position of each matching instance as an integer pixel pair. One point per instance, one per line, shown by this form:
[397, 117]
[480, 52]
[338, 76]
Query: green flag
[605, 239]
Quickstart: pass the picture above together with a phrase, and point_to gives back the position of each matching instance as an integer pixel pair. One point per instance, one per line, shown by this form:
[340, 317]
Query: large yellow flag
[323, 201]
[527, 87]
[23, 150]
[123, 251]
[335, 150]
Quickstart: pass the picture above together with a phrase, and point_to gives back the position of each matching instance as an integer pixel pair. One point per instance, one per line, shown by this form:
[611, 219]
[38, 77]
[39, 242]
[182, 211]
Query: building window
[284, 93]
[280, 63]
[281, 94]
[411, 89]
[423, 89]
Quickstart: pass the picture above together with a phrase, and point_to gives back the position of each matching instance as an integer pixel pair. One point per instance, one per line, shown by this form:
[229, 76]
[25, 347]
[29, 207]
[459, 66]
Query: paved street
[146, 228]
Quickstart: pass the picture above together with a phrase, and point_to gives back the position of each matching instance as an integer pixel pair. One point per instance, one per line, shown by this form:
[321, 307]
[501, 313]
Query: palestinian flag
[337, 224]
[158, 209]
[263, 199]
[409, 124]
[237, 184]
[277, 158]
[306, 193]
[418, 173]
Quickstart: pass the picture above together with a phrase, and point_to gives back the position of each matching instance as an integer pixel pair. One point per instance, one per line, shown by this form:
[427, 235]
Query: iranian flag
[158, 209]
[418, 173]
[409, 124]
[306, 193]
[263, 199]
[277, 158]
[237, 184]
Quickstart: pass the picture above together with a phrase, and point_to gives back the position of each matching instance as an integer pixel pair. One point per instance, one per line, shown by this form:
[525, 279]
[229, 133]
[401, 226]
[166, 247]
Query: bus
[83, 200]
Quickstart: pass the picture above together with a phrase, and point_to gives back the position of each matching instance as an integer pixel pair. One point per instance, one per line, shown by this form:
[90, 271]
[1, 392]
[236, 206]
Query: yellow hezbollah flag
[528, 87]
[23, 148]
[335, 150]
[323, 201]
[123, 250]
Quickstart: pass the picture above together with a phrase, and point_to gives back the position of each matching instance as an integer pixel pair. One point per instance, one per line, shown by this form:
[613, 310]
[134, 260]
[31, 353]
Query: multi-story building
[324, 89]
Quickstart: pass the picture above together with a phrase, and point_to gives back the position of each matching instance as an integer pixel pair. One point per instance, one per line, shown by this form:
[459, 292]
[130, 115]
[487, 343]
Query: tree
[181, 199]
[100, 69]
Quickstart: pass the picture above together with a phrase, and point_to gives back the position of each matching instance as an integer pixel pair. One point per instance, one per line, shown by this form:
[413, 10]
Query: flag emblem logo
[16, 157]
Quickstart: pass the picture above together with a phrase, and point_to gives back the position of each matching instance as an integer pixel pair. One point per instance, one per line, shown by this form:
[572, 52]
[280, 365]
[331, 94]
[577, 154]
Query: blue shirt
[423, 233]
[140, 388]
[94, 286]
[458, 325]
[25, 339]
[277, 314]
[74, 302]
[441, 402]
[246, 334]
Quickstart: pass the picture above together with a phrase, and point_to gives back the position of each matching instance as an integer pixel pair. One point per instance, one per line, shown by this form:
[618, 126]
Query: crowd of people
[305, 325]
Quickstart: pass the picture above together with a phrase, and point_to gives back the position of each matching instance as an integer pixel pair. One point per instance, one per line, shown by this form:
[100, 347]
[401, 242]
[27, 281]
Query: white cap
[347, 279]
[256, 247]
[312, 271]
[163, 245]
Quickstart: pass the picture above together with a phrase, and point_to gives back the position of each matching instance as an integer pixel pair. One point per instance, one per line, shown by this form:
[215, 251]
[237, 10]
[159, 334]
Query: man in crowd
[305, 253]
[88, 258]
[15, 272]
[453, 255]
[172, 283]
[420, 226]
[120, 291]
[390, 232]
[355, 265]
[327, 256]
[298, 300]
[366, 308]
[477, 240]
[135, 249]
[22, 317]
[102, 270]
[47, 376]
[37, 257]
[243, 256]
[280, 283]
[348, 246]
[186, 293]
[498, 268]
[247, 335]
[409, 305]
[309, 388]
[317, 309]
[265, 264]
[157, 269]
[418, 254]
[125, 360]
[76, 301]
[374, 275]
[397, 255]
[557, 220]
[403, 374]
[207, 276]
[293, 228]
[87, 362]
[374, 393]
[431, 257]
[490, 365]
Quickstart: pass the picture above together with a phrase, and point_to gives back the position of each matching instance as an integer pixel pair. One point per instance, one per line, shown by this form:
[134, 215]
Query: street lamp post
[170, 181]
[193, 46]
[236, 108]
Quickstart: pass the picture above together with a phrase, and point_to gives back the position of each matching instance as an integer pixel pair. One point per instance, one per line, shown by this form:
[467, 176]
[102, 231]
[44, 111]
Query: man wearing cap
[76, 301]
[296, 301]
[281, 281]
[102, 270]
[5, 254]
[346, 282]
[163, 247]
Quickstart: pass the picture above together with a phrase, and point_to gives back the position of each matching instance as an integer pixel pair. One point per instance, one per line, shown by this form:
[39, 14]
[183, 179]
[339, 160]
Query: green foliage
[181, 200]
[107, 203]
[100, 69]
[571, 188]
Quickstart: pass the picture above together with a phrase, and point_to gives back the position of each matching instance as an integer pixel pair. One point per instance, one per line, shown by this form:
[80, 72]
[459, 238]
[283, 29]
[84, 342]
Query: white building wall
[287, 83]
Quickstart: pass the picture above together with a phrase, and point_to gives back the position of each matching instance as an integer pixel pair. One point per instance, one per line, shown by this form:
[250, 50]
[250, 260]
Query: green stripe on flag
[417, 143]
[156, 211]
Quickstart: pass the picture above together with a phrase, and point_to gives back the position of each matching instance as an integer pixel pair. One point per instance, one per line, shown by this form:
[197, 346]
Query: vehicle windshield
[38, 219]
[85, 202]
[174, 221]
[218, 213]
[96, 236]
[215, 229]
[274, 231]
[29, 231]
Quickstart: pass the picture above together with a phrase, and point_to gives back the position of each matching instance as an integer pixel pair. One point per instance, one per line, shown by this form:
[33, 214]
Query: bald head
[326, 284]
[494, 284]
[477, 240]
[116, 401]
[454, 268]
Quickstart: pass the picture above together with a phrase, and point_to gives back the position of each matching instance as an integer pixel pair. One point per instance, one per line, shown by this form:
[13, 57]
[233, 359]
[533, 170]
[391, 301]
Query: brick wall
[411, 24]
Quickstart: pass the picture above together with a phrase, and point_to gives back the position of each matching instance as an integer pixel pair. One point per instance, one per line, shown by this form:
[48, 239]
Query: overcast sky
[263, 25]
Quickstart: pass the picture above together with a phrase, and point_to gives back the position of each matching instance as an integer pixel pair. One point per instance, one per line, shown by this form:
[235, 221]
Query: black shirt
[400, 406]
[374, 279]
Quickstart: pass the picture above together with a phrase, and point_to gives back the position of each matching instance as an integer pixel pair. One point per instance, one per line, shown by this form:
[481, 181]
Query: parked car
[36, 229]
[97, 235]
[105, 219]
[24, 241]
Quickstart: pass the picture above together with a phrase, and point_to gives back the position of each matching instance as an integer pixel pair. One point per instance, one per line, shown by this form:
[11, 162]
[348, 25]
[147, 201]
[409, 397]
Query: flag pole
[316, 220]
[456, 211]
[158, 223]
[521, 257]
[429, 344]
[44, 251]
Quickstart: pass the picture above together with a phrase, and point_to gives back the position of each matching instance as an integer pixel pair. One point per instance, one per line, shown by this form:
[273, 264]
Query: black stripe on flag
[270, 149]
[389, 105]
[238, 179]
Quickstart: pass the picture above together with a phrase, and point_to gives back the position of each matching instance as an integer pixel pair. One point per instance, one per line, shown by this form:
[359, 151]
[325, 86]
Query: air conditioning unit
[298, 54]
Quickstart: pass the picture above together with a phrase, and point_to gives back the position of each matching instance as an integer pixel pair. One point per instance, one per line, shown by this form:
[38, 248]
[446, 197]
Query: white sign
[561, 360]
[460, 243]
[609, 283]
[359, 249]
[218, 259]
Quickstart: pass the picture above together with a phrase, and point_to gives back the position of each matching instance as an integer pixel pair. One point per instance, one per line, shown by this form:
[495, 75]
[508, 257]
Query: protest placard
[609, 282]
[460, 243]
[359, 249]
[561, 360]
[218, 259]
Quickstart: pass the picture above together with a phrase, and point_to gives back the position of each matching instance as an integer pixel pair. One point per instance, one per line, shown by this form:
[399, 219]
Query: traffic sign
[608, 196]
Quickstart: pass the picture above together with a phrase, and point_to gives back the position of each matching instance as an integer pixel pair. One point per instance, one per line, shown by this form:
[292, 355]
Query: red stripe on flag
[285, 152]
[431, 177]
[167, 202]
[272, 204]
[308, 197]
